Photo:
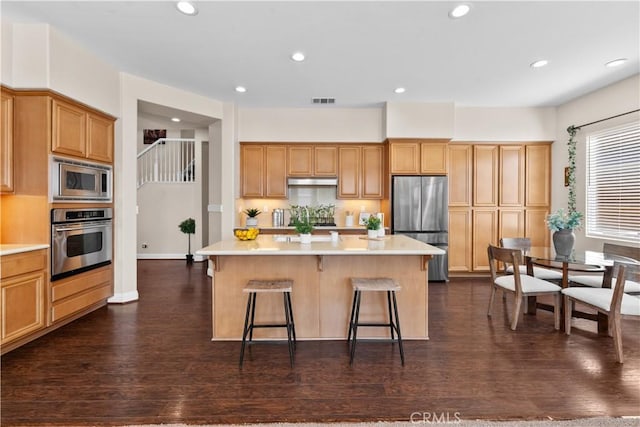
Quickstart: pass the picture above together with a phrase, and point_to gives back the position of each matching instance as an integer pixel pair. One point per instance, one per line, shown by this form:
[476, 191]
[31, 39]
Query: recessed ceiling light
[298, 56]
[399, 90]
[187, 8]
[241, 89]
[616, 62]
[459, 11]
[175, 119]
[540, 63]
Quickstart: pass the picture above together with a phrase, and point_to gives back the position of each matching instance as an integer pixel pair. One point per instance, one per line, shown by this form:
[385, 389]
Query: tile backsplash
[305, 196]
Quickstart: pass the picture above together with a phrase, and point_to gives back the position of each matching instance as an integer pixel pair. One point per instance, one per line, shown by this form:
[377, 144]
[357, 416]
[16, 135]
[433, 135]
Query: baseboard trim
[197, 258]
[124, 297]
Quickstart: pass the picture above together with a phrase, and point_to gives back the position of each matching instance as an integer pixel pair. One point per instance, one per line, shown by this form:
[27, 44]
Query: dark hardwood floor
[152, 361]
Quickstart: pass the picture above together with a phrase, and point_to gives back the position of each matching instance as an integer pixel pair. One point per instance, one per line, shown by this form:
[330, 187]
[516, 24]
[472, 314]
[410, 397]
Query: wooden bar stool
[255, 287]
[377, 284]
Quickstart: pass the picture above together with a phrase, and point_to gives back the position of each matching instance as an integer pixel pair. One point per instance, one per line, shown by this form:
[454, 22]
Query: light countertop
[17, 248]
[321, 245]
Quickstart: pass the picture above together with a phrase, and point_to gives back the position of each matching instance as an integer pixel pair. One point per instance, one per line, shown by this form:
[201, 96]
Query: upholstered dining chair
[614, 303]
[524, 244]
[521, 285]
[596, 280]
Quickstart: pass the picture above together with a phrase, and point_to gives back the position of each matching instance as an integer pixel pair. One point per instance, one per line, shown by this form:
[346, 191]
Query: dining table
[581, 261]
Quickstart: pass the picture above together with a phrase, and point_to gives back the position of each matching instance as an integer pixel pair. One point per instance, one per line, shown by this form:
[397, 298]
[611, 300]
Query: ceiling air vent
[323, 100]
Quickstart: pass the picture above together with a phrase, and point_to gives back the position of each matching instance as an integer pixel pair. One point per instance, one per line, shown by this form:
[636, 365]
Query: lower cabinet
[485, 232]
[80, 292]
[23, 296]
[459, 239]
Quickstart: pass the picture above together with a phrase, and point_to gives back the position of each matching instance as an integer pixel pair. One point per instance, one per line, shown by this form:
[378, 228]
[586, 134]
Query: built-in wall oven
[81, 240]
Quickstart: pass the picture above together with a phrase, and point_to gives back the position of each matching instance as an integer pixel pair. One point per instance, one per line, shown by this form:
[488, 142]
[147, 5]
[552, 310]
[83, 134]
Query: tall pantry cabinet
[495, 191]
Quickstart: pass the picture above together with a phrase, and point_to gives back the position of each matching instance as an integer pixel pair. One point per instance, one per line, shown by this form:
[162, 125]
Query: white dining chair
[524, 244]
[521, 285]
[614, 303]
[597, 280]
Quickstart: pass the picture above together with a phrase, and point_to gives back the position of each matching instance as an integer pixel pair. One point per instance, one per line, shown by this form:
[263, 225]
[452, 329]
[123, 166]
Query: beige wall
[609, 101]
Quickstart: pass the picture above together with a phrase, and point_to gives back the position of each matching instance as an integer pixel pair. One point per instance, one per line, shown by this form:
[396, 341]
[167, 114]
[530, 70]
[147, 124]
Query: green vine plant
[571, 148]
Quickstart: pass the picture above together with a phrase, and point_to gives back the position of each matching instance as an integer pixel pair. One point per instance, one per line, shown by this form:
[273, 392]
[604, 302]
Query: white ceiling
[358, 51]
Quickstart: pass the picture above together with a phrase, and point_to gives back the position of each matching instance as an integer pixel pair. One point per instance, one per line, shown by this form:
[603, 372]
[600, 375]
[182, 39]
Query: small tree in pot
[188, 227]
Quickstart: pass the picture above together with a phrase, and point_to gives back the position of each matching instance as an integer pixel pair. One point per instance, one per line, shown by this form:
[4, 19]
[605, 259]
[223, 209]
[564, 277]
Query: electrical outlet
[144, 246]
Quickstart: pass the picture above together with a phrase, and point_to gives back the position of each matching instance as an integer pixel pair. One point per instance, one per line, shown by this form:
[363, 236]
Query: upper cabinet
[538, 176]
[418, 157]
[485, 175]
[263, 171]
[360, 171]
[511, 181]
[6, 142]
[312, 160]
[81, 133]
[460, 174]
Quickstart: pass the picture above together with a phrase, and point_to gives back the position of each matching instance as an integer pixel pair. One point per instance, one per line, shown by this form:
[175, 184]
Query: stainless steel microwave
[78, 181]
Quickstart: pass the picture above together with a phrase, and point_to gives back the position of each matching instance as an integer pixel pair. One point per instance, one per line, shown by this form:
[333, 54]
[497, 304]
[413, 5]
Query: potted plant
[304, 227]
[562, 224]
[252, 220]
[188, 226]
[373, 223]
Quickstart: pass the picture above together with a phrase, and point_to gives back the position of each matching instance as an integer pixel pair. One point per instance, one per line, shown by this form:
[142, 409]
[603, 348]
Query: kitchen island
[322, 294]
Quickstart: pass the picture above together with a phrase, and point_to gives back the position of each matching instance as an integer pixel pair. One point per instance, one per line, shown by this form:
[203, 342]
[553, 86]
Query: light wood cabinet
[434, 158]
[372, 172]
[300, 160]
[263, 171]
[535, 227]
[349, 172]
[360, 172]
[6, 142]
[460, 235]
[538, 176]
[80, 292]
[275, 170]
[485, 175]
[460, 174]
[81, 133]
[511, 223]
[404, 158]
[512, 176]
[325, 160]
[485, 232]
[310, 160]
[22, 295]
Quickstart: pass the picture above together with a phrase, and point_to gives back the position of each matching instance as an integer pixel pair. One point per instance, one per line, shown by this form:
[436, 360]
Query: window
[613, 183]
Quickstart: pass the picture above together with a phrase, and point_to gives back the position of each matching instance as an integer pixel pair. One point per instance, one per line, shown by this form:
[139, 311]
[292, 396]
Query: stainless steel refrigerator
[420, 210]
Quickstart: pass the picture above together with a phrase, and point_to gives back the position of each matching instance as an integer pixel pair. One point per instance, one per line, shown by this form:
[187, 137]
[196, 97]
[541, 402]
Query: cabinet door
[349, 172]
[536, 228]
[511, 223]
[69, 129]
[252, 170]
[511, 184]
[100, 138]
[300, 160]
[460, 175]
[276, 171]
[325, 161]
[485, 232]
[485, 175]
[433, 158]
[460, 239]
[372, 165]
[538, 175]
[6, 143]
[22, 305]
[405, 158]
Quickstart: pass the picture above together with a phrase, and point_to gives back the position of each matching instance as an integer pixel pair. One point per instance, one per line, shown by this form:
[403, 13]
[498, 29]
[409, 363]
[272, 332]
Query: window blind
[613, 183]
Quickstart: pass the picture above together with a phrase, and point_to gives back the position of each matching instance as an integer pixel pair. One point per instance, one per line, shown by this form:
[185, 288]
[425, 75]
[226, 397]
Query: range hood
[312, 182]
